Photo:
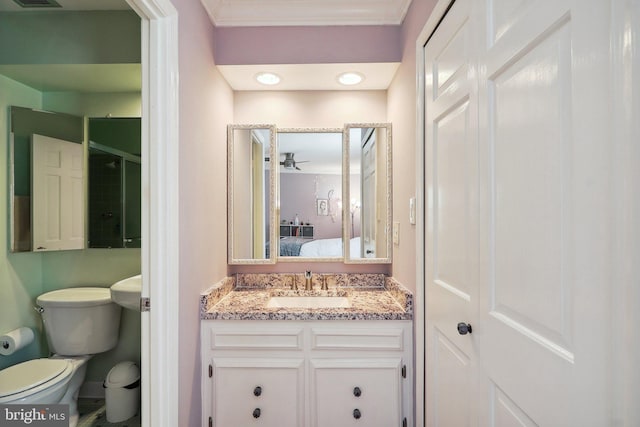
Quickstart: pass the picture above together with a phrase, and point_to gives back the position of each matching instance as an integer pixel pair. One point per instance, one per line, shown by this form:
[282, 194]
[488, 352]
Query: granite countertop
[245, 297]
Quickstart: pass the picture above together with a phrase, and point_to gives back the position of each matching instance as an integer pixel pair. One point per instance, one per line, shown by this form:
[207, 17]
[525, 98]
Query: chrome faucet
[308, 283]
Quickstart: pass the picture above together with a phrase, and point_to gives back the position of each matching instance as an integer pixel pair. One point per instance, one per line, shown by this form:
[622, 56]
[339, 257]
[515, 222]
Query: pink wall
[206, 106]
[307, 45]
[401, 107]
[298, 196]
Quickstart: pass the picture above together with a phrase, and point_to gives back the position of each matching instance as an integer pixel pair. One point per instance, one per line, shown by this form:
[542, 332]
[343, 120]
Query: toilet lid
[75, 297]
[30, 374]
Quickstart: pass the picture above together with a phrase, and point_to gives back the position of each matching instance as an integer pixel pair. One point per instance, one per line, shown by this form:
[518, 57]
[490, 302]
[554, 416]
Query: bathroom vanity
[307, 365]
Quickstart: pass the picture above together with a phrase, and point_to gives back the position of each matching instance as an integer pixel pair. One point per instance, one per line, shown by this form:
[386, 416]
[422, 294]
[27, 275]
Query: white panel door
[518, 228]
[58, 202]
[544, 178]
[452, 229]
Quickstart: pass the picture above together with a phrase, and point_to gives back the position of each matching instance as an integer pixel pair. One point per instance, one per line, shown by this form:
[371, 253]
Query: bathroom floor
[93, 413]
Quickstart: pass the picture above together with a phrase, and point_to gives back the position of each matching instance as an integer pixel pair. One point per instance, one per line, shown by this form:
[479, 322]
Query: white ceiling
[238, 13]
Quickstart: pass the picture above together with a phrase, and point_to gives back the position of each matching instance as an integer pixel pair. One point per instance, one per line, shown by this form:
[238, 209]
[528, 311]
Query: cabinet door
[258, 392]
[356, 392]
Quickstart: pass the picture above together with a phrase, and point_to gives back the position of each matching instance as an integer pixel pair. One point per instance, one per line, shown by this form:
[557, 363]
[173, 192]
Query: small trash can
[122, 391]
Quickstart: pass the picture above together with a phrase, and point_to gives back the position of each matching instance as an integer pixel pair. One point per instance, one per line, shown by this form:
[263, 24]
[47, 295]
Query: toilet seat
[29, 377]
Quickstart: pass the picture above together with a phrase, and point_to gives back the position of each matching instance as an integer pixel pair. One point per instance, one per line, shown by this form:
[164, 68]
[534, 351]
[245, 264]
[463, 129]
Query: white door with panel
[58, 189]
[516, 164]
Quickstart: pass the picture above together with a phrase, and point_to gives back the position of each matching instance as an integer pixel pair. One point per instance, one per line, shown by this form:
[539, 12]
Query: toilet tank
[80, 321]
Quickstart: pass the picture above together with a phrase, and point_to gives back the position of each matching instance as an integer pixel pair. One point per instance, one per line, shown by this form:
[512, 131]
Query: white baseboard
[92, 390]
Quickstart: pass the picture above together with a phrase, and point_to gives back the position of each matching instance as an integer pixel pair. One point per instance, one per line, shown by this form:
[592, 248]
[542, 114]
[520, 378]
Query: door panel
[452, 212]
[538, 159]
[531, 168]
[58, 200]
[454, 384]
[517, 168]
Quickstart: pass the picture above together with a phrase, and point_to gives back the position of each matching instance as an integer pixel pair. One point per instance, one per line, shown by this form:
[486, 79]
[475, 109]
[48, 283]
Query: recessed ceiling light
[268, 78]
[350, 78]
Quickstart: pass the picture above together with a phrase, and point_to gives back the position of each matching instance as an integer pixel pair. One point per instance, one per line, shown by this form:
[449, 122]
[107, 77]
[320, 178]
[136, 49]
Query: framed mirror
[368, 216]
[251, 194]
[310, 195]
[313, 194]
[46, 182]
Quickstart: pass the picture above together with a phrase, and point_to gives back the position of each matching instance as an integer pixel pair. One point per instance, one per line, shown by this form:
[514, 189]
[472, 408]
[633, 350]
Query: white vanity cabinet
[324, 373]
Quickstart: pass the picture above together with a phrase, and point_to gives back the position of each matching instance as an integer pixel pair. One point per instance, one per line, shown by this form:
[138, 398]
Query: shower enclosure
[114, 187]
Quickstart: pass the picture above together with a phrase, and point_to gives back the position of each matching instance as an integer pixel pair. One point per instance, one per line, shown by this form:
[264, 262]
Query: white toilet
[79, 322]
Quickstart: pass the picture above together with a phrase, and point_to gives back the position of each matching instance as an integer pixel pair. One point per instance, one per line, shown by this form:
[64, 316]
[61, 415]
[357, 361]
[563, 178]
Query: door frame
[439, 11]
[160, 190]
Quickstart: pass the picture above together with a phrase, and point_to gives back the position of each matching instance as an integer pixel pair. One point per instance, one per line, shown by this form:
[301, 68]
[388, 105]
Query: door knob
[257, 391]
[357, 392]
[464, 328]
[356, 414]
[256, 413]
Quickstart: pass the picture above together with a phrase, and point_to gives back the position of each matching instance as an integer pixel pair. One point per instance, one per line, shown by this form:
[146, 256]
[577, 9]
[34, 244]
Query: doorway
[160, 250]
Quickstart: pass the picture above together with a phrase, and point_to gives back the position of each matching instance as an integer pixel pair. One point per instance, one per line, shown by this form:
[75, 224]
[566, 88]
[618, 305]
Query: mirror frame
[274, 205]
[311, 259]
[272, 196]
[346, 191]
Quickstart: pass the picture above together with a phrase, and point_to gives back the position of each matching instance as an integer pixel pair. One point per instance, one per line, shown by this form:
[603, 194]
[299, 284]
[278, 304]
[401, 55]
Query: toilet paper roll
[15, 340]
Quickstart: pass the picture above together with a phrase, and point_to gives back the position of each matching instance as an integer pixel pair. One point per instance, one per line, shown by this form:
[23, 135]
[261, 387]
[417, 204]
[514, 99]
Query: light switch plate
[396, 232]
[412, 211]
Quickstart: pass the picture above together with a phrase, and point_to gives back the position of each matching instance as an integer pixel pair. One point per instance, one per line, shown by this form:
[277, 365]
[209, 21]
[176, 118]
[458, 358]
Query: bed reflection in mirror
[310, 190]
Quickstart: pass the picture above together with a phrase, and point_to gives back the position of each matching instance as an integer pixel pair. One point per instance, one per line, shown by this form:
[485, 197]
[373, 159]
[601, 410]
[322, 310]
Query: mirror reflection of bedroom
[310, 181]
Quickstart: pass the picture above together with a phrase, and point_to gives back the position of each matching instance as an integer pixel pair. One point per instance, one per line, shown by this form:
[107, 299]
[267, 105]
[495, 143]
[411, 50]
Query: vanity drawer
[258, 391]
[387, 339]
[255, 338]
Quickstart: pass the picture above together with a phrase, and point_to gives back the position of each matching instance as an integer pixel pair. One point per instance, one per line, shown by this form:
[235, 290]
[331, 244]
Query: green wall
[20, 274]
[91, 37]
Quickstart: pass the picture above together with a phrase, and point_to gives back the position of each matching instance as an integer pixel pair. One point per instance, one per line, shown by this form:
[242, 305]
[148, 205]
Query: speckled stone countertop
[245, 297]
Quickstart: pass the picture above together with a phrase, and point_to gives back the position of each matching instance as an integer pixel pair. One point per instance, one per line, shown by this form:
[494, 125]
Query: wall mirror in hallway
[251, 188]
[319, 206]
[310, 194]
[368, 219]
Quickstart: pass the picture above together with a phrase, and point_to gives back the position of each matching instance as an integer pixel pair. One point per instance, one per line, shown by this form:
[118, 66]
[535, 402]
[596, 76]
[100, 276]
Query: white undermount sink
[309, 302]
[126, 292]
